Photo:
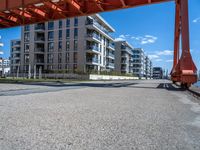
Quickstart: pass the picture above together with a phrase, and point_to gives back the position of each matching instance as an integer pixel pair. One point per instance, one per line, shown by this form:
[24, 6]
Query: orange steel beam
[44, 10]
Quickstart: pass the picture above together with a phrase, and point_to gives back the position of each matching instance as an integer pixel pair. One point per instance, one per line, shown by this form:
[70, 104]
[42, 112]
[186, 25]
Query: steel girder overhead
[22, 12]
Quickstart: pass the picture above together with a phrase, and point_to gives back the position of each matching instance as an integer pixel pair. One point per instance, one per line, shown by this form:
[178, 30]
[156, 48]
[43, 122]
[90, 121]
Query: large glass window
[50, 35]
[59, 57]
[51, 25]
[50, 47]
[75, 57]
[67, 57]
[67, 45]
[27, 28]
[27, 37]
[60, 23]
[26, 58]
[75, 45]
[68, 23]
[60, 34]
[67, 33]
[75, 33]
[50, 58]
[26, 48]
[60, 45]
[76, 21]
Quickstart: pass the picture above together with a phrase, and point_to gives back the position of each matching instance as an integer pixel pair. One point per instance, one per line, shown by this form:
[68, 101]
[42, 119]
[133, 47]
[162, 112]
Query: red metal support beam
[185, 71]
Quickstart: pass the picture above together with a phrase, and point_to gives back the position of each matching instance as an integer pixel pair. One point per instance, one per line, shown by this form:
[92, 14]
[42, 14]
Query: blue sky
[149, 27]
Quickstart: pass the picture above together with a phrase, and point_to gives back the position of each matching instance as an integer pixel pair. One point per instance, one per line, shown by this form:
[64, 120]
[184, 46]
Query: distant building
[148, 68]
[157, 73]
[4, 67]
[139, 62]
[123, 57]
[77, 44]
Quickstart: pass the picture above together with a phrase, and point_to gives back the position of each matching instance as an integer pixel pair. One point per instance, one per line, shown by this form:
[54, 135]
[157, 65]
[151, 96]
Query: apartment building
[15, 56]
[148, 68]
[75, 44]
[123, 57]
[139, 62]
[157, 73]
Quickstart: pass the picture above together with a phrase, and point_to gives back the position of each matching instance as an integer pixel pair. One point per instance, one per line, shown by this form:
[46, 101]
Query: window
[60, 34]
[67, 46]
[67, 33]
[75, 21]
[50, 35]
[67, 67]
[50, 67]
[67, 57]
[75, 57]
[27, 37]
[50, 47]
[59, 66]
[75, 33]
[75, 45]
[60, 45]
[59, 57]
[26, 48]
[50, 58]
[50, 25]
[75, 67]
[26, 58]
[60, 23]
[27, 28]
[68, 23]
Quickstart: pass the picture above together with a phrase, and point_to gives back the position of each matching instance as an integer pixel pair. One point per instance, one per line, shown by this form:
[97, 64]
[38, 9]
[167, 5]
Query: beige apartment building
[75, 44]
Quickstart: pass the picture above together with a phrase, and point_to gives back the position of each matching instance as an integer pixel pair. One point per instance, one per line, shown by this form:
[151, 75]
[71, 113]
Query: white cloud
[119, 39]
[146, 39]
[165, 52]
[1, 53]
[196, 20]
[153, 56]
[169, 60]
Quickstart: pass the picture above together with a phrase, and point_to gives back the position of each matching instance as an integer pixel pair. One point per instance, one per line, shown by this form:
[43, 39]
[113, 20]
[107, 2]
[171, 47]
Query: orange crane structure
[22, 12]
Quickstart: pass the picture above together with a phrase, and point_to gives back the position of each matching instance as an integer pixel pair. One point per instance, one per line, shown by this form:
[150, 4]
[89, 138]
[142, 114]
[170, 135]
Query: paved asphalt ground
[117, 115]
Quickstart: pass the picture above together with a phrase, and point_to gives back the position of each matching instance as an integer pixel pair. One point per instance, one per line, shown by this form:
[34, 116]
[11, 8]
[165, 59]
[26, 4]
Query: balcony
[93, 48]
[125, 62]
[92, 24]
[111, 46]
[39, 61]
[93, 61]
[110, 65]
[40, 39]
[94, 37]
[110, 55]
[125, 55]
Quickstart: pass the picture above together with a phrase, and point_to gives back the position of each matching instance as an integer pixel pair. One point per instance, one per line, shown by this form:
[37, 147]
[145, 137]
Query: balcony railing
[110, 45]
[110, 64]
[110, 55]
[93, 60]
[94, 48]
[40, 61]
[39, 39]
[39, 50]
[94, 36]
